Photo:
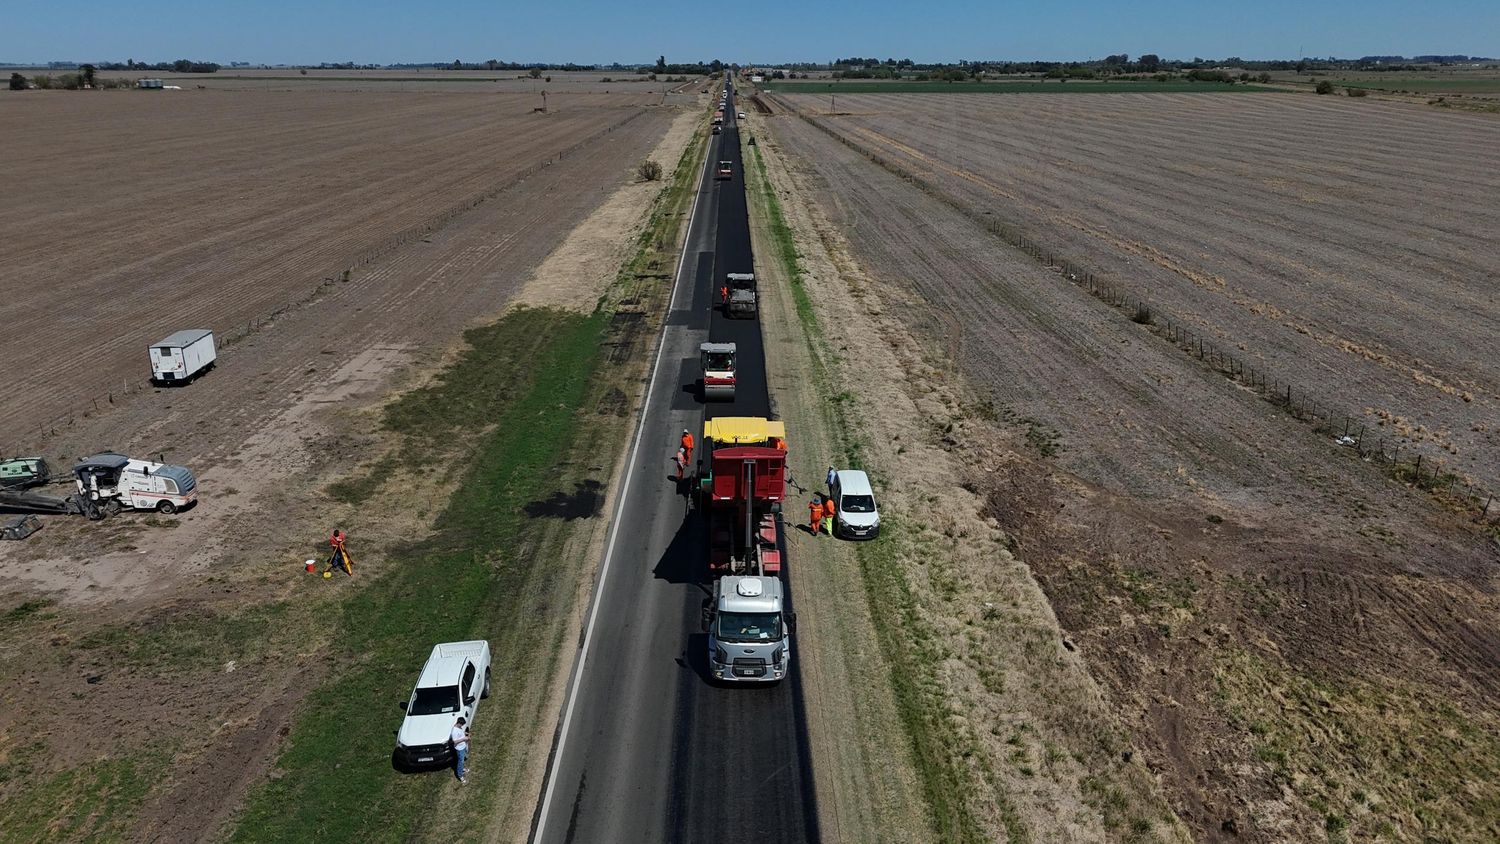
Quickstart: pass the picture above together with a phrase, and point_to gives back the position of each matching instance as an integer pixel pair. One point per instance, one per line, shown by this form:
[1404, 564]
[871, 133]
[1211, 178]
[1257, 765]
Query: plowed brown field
[129, 215]
[1306, 649]
[1346, 247]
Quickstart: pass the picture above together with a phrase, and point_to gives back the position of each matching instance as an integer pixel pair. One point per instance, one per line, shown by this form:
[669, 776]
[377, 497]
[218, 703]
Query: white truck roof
[186, 337]
[854, 482]
[446, 662]
[749, 594]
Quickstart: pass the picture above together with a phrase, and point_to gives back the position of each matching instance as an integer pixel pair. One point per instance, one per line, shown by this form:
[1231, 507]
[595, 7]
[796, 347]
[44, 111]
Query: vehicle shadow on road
[685, 560]
[695, 657]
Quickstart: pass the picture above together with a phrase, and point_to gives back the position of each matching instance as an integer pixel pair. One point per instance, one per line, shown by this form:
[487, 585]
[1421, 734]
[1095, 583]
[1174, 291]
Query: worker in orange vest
[815, 515]
[340, 556]
[687, 440]
[724, 295]
[828, 513]
[682, 462]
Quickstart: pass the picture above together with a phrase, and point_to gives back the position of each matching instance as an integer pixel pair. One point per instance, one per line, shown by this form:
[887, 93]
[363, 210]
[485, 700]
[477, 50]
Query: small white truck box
[183, 356]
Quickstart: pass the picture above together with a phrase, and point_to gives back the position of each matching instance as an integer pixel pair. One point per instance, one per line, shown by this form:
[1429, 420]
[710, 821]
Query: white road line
[614, 534]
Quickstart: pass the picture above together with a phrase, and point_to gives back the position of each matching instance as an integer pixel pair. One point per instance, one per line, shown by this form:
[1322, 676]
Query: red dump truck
[741, 485]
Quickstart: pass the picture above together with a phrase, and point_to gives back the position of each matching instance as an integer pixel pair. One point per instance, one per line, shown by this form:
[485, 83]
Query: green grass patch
[1424, 85]
[25, 610]
[93, 802]
[200, 640]
[1035, 87]
[1371, 756]
[786, 254]
[460, 583]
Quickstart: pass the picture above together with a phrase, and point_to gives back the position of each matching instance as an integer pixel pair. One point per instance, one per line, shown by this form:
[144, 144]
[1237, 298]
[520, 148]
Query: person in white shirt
[460, 739]
[832, 476]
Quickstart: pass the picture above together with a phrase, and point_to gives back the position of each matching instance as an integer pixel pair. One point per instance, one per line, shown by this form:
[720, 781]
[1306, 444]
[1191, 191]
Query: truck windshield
[434, 700]
[720, 361]
[749, 626]
[858, 504]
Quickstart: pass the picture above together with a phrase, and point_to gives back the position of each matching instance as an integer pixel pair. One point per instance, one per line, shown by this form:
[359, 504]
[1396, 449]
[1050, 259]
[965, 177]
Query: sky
[604, 31]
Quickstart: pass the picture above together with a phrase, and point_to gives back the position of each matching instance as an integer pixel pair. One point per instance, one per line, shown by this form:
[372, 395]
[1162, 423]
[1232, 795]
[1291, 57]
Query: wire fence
[109, 395]
[1400, 459]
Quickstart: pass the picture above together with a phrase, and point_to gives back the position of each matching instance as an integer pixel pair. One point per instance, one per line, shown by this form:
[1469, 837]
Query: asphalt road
[648, 750]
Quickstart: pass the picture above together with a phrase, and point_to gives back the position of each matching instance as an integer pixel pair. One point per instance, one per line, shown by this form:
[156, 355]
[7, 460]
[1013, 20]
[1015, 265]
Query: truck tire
[166, 508]
[486, 692]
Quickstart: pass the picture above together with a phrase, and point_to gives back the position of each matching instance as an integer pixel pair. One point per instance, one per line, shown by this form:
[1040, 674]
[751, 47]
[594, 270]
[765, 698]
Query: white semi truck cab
[749, 632]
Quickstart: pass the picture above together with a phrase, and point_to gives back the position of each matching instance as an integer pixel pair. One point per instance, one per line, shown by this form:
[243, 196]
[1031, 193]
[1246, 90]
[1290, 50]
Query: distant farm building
[148, 83]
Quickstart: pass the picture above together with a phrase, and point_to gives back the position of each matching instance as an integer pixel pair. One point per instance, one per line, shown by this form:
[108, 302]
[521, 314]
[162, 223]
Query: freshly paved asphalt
[649, 750]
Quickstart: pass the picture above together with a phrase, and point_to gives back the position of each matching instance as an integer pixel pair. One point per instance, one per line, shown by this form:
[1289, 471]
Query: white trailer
[182, 357]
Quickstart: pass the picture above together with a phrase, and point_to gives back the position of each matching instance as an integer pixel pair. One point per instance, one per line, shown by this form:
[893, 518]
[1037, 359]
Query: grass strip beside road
[334, 780]
[910, 646]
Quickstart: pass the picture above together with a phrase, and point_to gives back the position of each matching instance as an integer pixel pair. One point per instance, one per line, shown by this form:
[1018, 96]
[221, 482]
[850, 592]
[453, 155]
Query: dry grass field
[217, 209]
[1303, 648]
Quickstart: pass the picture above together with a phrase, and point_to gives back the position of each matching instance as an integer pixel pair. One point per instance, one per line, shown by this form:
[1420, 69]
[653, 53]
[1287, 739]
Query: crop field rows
[199, 214]
[1326, 260]
[1207, 549]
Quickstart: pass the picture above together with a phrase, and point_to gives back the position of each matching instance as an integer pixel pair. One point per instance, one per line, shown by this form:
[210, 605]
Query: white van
[857, 517]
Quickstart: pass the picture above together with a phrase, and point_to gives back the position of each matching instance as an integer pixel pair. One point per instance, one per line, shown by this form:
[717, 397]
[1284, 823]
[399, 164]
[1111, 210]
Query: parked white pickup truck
[454, 680]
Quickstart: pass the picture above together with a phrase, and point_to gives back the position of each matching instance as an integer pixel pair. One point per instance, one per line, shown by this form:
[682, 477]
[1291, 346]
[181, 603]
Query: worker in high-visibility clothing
[681, 459]
[828, 513]
[340, 556]
[815, 515]
[687, 440]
